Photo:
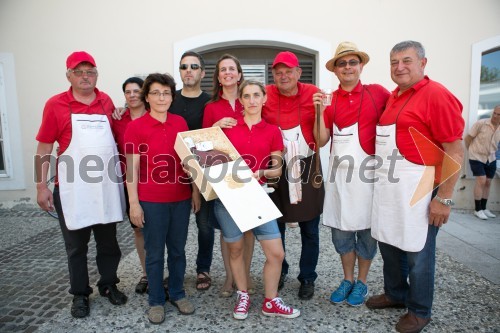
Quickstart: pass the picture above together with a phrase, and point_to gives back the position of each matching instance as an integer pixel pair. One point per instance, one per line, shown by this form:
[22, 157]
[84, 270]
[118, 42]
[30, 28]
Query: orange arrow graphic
[435, 159]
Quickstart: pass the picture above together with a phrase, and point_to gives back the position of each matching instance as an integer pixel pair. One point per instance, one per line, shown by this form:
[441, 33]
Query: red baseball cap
[77, 58]
[287, 58]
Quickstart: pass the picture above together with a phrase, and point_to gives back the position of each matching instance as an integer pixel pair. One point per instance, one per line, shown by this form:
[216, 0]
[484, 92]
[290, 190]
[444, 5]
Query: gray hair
[409, 44]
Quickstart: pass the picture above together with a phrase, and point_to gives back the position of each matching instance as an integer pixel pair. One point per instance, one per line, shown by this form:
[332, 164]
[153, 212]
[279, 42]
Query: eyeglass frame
[88, 72]
[156, 93]
[343, 63]
[194, 67]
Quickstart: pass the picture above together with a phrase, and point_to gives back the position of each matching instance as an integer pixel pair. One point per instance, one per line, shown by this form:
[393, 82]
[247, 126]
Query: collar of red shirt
[261, 124]
[357, 89]
[417, 86]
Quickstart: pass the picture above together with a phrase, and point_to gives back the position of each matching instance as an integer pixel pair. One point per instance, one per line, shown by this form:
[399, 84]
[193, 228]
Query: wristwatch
[446, 202]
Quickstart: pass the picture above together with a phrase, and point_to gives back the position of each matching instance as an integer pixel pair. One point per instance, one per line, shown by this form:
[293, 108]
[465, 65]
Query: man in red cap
[88, 195]
[289, 105]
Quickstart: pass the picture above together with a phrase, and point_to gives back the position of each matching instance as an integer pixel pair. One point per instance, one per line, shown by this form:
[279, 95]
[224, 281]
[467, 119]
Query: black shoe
[306, 290]
[115, 296]
[80, 307]
[142, 286]
[281, 284]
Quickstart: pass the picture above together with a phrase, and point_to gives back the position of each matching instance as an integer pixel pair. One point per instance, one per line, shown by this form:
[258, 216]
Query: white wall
[131, 37]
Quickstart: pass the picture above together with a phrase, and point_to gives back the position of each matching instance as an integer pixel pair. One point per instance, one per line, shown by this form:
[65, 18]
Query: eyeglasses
[79, 72]
[351, 63]
[186, 66]
[130, 92]
[156, 93]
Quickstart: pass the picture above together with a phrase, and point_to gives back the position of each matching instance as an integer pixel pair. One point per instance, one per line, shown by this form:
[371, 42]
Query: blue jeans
[205, 236]
[166, 224]
[418, 294]
[309, 234]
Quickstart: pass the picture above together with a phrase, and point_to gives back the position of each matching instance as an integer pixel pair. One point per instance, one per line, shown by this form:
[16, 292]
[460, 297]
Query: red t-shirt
[215, 111]
[161, 178]
[255, 144]
[56, 119]
[433, 111]
[289, 111]
[363, 105]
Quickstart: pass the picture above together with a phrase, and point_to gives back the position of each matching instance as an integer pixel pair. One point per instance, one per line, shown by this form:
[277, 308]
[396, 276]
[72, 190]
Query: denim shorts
[360, 241]
[479, 168]
[232, 233]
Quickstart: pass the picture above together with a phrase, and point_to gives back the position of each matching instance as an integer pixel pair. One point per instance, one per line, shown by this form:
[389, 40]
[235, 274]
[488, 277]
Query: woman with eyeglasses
[160, 194]
[261, 145]
[224, 110]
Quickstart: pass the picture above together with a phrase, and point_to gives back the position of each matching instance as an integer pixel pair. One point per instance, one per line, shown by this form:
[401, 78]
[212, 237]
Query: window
[11, 163]
[489, 85]
[485, 79]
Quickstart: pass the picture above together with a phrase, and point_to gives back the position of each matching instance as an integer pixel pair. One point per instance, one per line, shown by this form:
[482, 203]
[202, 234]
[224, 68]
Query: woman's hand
[226, 122]
[137, 215]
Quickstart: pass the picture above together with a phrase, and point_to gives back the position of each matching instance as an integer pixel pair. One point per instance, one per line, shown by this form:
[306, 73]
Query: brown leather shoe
[383, 302]
[410, 323]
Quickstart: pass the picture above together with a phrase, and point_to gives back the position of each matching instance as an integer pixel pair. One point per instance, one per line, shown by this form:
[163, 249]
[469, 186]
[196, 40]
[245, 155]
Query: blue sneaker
[358, 294]
[340, 295]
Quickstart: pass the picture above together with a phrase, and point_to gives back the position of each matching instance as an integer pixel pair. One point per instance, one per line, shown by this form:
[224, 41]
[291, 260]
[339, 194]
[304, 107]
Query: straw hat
[346, 48]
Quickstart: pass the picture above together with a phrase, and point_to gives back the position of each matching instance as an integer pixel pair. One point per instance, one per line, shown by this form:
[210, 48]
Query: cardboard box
[220, 142]
[244, 198]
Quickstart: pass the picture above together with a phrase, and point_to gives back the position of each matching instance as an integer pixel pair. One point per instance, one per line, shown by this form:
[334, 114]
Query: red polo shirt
[255, 144]
[160, 169]
[289, 111]
[215, 111]
[119, 127]
[56, 119]
[434, 112]
[363, 105]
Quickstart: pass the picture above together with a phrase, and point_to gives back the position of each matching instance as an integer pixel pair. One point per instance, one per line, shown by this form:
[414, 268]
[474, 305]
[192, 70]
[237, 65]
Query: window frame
[14, 178]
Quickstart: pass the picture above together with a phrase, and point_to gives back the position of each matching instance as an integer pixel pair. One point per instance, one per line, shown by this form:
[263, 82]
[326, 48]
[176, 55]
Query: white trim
[320, 48]
[475, 74]
[14, 179]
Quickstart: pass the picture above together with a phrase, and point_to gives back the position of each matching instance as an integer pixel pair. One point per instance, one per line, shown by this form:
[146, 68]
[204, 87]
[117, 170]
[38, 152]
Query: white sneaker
[480, 214]
[488, 213]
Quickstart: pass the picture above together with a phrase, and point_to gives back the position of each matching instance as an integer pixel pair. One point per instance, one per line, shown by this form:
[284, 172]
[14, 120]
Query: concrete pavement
[34, 284]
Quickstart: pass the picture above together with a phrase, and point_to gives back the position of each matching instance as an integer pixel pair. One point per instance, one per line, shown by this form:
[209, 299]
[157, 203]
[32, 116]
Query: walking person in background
[351, 122]
[79, 120]
[482, 143]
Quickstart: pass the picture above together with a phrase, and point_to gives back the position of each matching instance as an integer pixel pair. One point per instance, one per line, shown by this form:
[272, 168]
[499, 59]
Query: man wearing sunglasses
[189, 103]
[86, 200]
[351, 123]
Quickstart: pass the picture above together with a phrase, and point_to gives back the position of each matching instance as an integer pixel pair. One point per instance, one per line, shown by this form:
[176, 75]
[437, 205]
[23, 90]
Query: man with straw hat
[350, 122]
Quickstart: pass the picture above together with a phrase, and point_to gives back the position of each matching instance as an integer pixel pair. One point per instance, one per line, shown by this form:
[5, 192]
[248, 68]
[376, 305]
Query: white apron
[86, 200]
[396, 220]
[348, 198]
[295, 135]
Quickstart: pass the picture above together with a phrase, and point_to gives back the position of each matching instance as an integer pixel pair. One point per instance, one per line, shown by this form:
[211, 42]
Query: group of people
[383, 185]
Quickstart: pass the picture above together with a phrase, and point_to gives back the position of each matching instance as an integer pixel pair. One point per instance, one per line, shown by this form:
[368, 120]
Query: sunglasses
[351, 63]
[186, 66]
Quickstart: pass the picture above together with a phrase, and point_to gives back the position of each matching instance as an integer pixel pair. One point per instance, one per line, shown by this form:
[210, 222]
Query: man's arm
[44, 196]
[439, 213]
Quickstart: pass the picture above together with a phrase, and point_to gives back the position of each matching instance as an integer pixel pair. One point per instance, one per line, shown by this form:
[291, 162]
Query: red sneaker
[276, 308]
[242, 305]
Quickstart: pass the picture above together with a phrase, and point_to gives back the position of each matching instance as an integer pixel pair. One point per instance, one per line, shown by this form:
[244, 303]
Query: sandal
[205, 280]
[142, 286]
[228, 292]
